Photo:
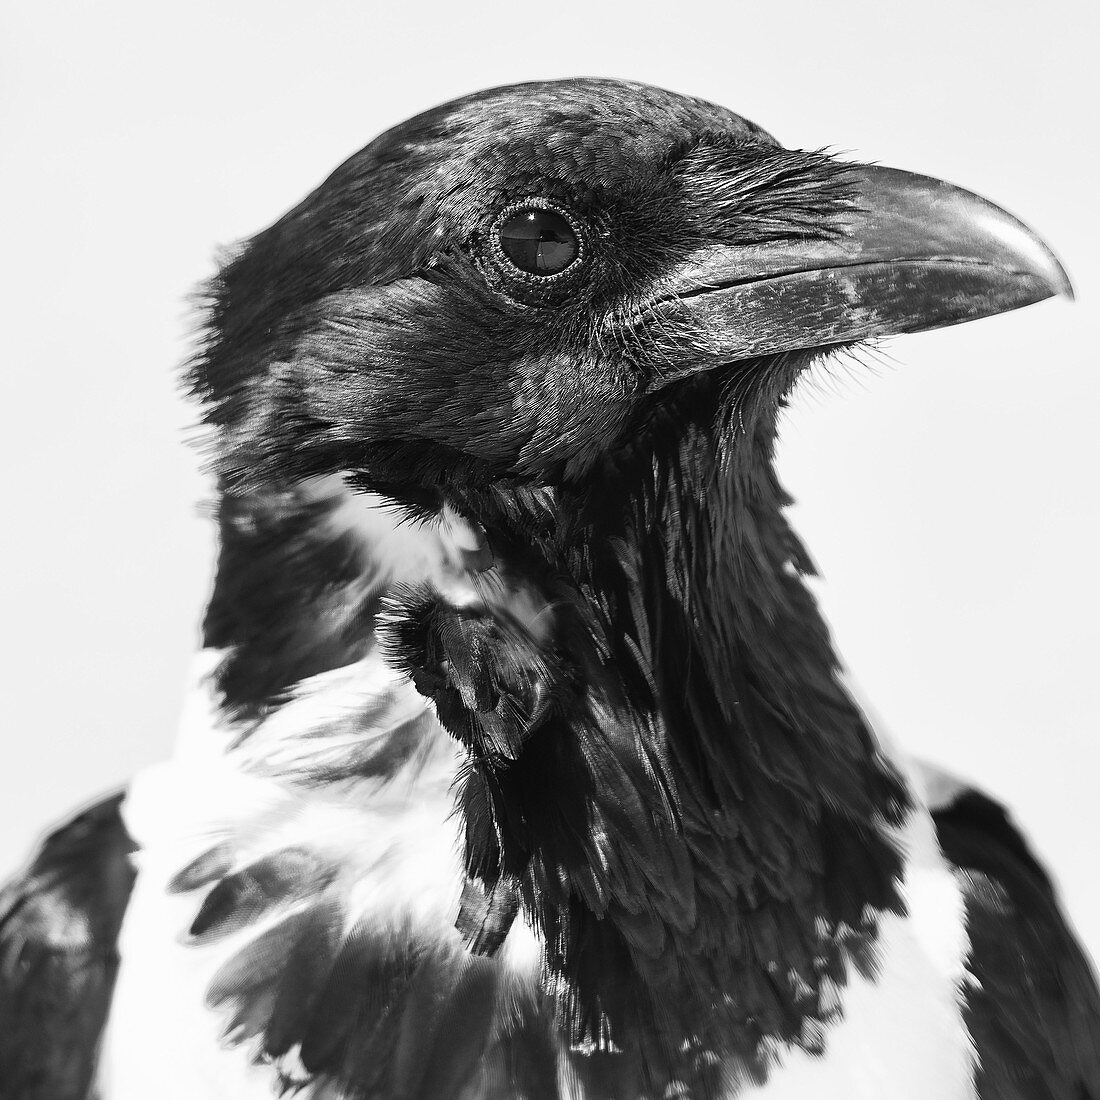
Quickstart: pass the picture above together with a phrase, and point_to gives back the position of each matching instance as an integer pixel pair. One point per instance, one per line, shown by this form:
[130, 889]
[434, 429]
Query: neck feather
[714, 814]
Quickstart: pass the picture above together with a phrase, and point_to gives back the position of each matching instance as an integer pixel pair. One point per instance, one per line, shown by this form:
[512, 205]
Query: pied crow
[518, 760]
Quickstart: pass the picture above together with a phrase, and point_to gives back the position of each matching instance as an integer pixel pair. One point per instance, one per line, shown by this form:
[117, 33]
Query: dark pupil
[538, 241]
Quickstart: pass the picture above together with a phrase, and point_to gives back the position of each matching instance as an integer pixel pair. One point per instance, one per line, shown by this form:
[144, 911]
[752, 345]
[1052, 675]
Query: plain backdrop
[946, 487]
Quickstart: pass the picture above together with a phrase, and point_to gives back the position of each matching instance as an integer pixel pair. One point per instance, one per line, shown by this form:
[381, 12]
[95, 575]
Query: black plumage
[664, 775]
[293, 595]
[1034, 1007]
[59, 925]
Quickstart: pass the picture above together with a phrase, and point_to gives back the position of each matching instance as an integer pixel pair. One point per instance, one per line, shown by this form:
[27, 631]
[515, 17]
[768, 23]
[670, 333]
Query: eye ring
[537, 250]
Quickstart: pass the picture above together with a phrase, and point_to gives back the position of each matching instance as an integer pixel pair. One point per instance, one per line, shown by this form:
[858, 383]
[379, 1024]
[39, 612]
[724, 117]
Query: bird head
[507, 286]
[591, 298]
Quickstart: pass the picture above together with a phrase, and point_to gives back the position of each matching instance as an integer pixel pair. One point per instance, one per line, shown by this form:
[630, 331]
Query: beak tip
[1064, 287]
[1048, 267]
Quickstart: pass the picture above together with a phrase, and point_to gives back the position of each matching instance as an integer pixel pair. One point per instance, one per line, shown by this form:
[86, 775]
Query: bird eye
[538, 240]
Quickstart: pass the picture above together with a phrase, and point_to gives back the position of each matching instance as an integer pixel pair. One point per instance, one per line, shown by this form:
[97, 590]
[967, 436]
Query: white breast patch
[396, 837]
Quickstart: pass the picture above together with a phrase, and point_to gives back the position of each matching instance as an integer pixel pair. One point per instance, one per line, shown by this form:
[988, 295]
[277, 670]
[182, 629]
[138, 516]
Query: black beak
[912, 253]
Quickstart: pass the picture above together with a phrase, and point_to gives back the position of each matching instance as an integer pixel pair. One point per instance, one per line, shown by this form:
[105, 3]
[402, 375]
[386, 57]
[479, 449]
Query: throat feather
[706, 837]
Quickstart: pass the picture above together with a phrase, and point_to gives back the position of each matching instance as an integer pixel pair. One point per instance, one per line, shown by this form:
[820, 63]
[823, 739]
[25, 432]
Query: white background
[948, 494]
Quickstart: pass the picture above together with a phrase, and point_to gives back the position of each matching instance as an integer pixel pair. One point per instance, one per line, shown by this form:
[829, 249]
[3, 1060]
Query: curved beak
[911, 253]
